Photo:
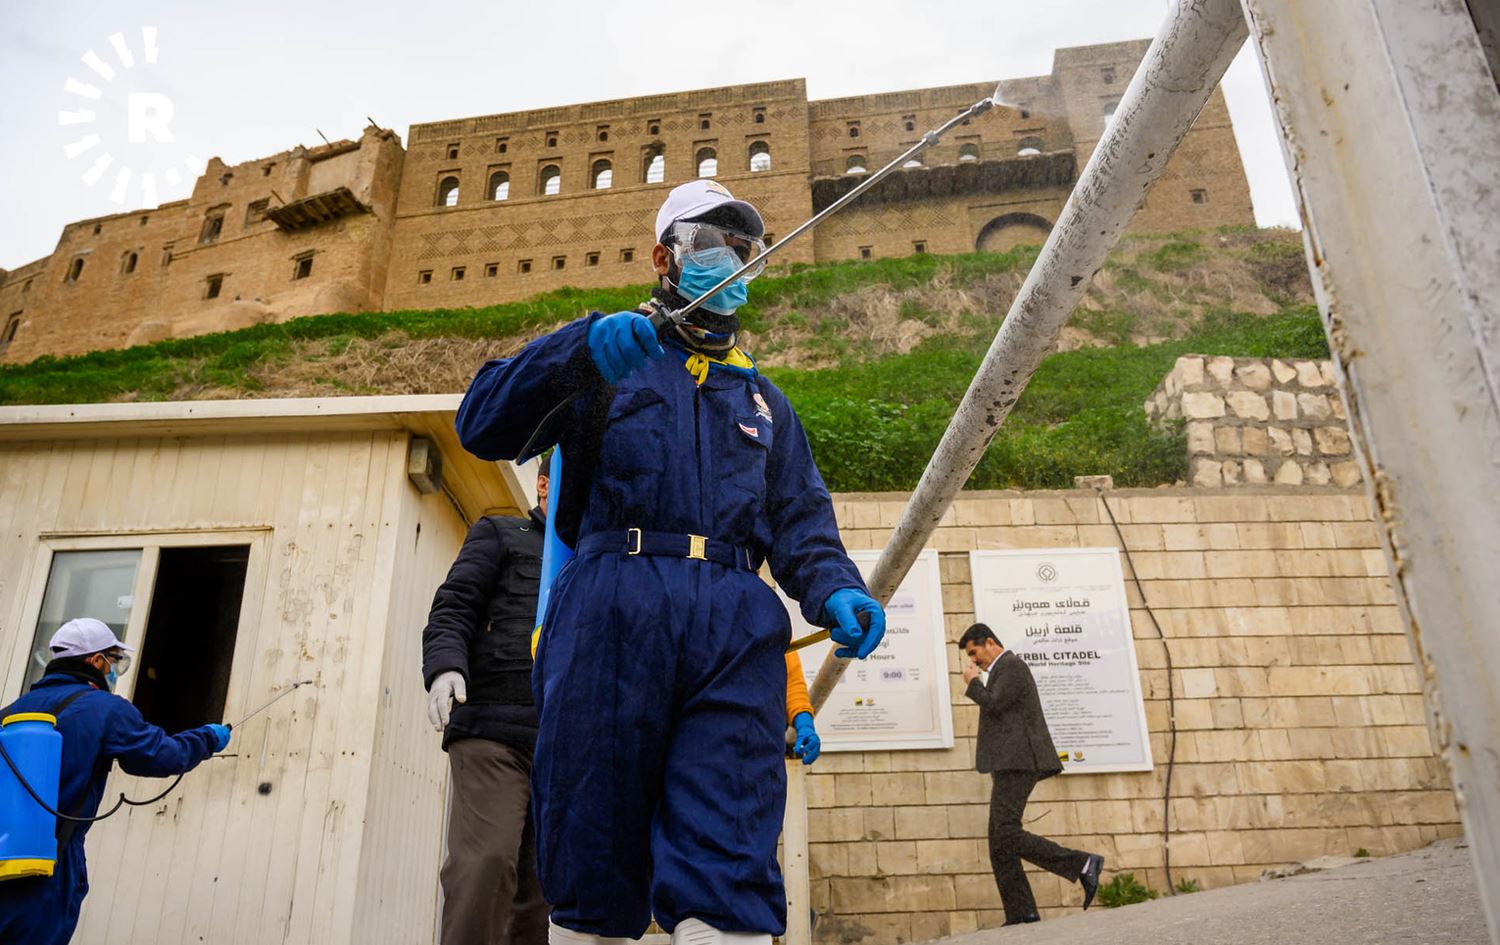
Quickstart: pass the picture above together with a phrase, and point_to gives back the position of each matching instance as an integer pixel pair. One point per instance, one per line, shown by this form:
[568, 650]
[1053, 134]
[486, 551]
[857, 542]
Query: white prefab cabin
[243, 546]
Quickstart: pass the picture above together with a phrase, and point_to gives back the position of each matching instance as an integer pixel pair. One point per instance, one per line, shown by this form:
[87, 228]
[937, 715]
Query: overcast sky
[250, 79]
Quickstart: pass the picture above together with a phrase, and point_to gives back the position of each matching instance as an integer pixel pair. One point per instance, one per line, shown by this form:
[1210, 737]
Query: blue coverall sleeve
[807, 555]
[147, 750]
[459, 607]
[510, 397]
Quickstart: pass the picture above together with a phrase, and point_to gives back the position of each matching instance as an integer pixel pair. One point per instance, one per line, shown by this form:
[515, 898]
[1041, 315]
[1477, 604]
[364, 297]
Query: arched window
[499, 185]
[1011, 230]
[914, 162]
[75, 269]
[708, 162]
[656, 164]
[760, 157]
[12, 325]
[855, 164]
[127, 263]
[447, 192]
[603, 175]
[550, 181]
[968, 153]
[1028, 147]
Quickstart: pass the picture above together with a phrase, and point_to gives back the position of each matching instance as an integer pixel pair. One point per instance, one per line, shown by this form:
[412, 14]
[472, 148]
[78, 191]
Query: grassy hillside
[873, 354]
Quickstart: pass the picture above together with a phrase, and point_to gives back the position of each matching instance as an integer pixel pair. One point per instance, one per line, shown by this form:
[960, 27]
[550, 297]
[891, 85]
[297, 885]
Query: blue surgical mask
[111, 678]
[707, 268]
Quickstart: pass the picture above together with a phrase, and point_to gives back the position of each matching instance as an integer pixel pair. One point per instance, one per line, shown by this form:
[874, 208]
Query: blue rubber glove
[842, 611]
[221, 735]
[621, 343]
[807, 745]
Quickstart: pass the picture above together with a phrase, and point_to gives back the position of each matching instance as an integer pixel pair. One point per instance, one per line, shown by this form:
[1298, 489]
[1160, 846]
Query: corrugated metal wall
[408, 784]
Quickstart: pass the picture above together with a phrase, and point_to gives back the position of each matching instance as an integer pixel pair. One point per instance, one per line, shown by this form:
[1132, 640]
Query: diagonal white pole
[1180, 71]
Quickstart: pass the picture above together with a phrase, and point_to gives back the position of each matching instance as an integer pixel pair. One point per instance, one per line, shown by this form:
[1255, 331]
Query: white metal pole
[1390, 125]
[1179, 72]
[796, 870]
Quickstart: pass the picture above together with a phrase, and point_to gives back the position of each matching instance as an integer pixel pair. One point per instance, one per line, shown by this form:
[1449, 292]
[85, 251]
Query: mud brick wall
[1302, 730]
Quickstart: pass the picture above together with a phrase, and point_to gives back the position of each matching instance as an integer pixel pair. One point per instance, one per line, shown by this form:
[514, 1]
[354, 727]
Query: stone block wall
[1301, 723]
[1258, 420]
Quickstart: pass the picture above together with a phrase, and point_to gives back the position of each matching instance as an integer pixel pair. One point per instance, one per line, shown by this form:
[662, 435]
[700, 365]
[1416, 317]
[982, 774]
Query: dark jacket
[1013, 732]
[480, 625]
[98, 729]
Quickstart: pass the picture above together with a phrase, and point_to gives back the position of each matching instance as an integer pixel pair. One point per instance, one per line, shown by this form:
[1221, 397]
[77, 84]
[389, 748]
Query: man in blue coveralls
[660, 676]
[98, 728]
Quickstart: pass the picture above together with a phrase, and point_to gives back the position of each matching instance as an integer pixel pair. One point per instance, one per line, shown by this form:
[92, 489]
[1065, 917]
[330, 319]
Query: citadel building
[474, 211]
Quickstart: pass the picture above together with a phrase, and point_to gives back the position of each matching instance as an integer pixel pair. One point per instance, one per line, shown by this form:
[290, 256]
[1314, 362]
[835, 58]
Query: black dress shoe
[1089, 879]
[1023, 919]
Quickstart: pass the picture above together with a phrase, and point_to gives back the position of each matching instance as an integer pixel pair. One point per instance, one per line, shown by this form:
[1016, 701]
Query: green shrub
[1173, 256]
[1187, 885]
[873, 422]
[1123, 890]
[1114, 327]
[874, 425]
[1362, 853]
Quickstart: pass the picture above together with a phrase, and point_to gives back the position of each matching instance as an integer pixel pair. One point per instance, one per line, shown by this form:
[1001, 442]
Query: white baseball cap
[697, 197]
[83, 636]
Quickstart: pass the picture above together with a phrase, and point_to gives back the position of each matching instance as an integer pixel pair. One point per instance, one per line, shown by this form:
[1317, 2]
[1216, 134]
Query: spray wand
[662, 319]
[273, 700]
[123, 800]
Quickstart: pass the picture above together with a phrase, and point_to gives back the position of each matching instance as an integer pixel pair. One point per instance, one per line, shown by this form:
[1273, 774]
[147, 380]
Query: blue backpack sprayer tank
[28, 834]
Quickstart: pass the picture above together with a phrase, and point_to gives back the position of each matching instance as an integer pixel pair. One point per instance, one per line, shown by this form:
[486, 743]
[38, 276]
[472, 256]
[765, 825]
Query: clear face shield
[715, 247]
[119, 661]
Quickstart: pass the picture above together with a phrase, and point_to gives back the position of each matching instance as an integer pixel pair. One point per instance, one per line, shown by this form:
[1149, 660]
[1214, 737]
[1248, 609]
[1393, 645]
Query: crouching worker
[659, 781]
[98, 728]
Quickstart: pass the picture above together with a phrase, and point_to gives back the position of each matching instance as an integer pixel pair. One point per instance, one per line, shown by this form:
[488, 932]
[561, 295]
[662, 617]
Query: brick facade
[1301, 724]
[382, 232]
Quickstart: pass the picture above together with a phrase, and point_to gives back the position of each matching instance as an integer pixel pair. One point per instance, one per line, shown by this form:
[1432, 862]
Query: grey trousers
[491, 895]
[1010, 844]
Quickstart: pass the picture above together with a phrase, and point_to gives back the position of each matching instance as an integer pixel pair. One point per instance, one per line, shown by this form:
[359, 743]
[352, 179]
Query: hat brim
[754, 225]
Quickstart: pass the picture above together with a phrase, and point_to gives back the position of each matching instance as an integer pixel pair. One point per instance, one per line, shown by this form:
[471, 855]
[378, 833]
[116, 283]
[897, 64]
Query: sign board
[899, 697]
[1064, 612]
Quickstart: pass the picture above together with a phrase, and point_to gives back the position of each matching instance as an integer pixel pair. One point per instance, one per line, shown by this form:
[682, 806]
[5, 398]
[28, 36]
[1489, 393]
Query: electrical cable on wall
[1166, 800]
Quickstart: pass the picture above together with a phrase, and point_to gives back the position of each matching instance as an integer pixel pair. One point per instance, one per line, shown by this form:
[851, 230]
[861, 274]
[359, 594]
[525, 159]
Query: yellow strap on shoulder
[698, 364]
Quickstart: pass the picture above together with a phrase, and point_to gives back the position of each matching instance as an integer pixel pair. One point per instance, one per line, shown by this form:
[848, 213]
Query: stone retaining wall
[1301, 723]
[1258, 420]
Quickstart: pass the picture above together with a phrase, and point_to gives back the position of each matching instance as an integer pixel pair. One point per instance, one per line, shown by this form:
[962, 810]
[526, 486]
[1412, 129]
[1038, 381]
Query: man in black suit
[1015, 749]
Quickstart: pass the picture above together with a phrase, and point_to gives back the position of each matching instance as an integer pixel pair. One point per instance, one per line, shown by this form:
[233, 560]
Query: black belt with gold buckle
[635, 541]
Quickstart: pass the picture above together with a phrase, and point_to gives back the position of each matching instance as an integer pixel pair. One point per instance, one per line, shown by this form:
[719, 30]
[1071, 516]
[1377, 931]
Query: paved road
[1426, 897]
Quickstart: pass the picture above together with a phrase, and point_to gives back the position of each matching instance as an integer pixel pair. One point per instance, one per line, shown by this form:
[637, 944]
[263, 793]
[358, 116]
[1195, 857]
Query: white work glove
[445, 689]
